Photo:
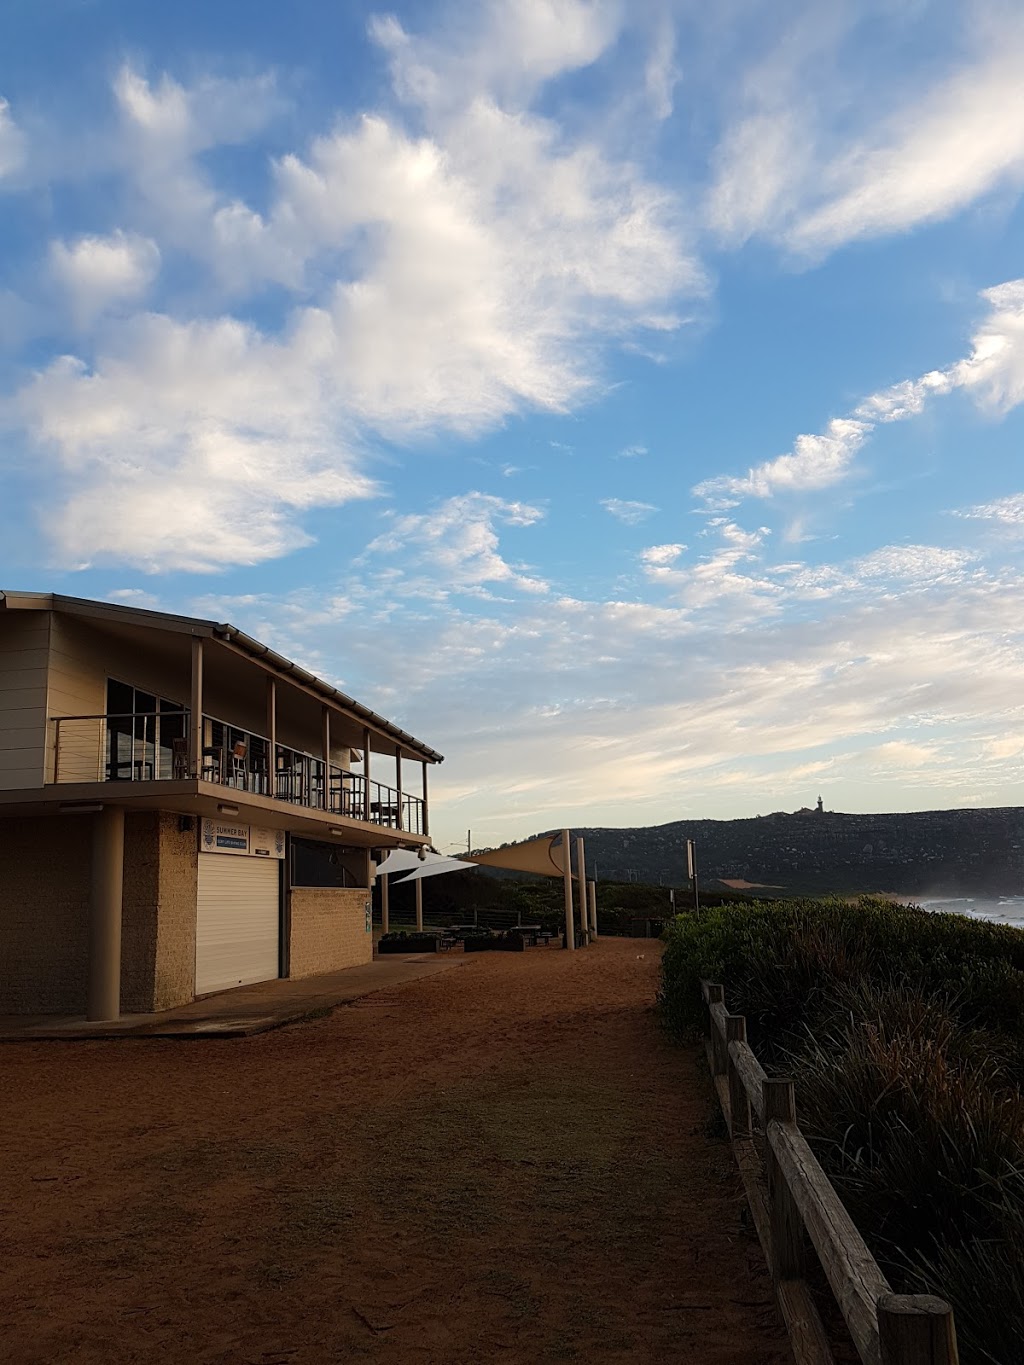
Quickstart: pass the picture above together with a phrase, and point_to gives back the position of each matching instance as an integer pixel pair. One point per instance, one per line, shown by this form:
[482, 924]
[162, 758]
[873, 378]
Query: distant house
[182, 810]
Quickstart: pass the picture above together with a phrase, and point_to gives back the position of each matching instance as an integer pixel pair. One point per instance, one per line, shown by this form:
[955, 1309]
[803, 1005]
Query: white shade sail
[435, 867]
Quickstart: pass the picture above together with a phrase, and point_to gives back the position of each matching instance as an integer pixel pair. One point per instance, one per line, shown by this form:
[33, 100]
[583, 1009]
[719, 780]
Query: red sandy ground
[506, 1162]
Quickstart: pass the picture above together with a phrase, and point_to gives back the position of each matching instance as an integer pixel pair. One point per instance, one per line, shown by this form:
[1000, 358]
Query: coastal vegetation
[904, 1032]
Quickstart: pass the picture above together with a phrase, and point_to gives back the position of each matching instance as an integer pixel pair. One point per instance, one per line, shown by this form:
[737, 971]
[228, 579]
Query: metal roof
[222, 630]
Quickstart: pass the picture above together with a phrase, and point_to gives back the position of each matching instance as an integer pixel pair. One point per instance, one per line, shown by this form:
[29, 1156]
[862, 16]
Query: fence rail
[793, 1203]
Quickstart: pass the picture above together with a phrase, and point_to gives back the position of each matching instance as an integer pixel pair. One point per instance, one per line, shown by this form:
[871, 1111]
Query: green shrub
[904, 1031]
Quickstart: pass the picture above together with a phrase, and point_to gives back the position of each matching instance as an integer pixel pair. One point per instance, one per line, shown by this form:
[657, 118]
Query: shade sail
[403, 860]
[435, 867]
[542, 856]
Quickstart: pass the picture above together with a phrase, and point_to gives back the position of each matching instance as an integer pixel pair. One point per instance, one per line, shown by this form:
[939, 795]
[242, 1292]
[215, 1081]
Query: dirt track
[502, 1163]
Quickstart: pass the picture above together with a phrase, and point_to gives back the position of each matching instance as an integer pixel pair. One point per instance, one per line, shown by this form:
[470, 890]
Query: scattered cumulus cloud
[1003, 512]
[454, 547]
[97, 272]
[540, 246]
[629, 513]
[993, 375]
[12, 142]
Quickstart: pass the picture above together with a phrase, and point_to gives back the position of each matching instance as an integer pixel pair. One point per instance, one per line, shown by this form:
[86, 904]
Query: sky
[625, 398]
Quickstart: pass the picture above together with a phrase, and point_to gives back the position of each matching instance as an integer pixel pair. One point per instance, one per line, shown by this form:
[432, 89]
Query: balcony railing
[155, 746]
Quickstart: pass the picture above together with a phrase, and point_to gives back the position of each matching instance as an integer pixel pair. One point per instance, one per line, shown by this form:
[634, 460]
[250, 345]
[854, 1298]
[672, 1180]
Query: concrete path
[238, 1013]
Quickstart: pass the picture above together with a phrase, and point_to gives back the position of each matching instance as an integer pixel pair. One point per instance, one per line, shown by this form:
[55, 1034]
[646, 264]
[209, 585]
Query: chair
[238, 774]
[179, 759]
[213, 762]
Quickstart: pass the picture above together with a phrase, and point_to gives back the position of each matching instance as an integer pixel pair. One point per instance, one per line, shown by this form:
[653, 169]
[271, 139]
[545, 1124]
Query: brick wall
[328, 930]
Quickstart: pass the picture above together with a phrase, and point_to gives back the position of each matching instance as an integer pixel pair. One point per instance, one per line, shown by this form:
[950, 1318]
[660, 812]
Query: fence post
[739, 1104]
[716, 996]
[788, 1241]
[719, 1054]
[916, 1329]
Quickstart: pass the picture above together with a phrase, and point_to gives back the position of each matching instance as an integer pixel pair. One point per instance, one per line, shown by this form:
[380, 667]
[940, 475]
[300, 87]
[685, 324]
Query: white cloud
[964, 138]
[630, 513]
[1007, 512]
[658, 556]
[99, 271]
[540, 247]
[815, 462]
[993, 374]
[193, 445]
[821, 147]
[454, 547]
[601, 712]
[632, 452]
[12, 142]
[505, 48]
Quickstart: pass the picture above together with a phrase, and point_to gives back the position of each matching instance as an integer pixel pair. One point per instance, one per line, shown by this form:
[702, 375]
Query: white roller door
[238, 920]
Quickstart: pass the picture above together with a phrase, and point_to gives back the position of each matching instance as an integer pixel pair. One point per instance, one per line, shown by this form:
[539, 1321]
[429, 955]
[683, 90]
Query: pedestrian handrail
[793, 1202]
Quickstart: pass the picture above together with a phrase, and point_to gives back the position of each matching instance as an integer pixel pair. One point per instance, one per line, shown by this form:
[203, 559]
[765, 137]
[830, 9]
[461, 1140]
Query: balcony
[155, 746]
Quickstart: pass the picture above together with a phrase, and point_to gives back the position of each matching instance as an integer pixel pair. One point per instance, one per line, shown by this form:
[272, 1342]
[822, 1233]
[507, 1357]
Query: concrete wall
[24, 639]
[328, 930]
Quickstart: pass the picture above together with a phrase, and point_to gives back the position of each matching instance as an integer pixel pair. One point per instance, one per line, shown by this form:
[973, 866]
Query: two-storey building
[182, 810]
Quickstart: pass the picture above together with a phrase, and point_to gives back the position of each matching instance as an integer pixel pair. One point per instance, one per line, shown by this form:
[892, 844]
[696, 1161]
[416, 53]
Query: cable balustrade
[156, 746]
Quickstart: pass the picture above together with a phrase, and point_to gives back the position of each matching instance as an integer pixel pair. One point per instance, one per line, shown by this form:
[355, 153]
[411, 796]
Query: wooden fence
[793, 1203]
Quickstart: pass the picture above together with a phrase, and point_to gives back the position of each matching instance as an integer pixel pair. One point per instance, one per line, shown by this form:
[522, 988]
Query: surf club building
[182, 810]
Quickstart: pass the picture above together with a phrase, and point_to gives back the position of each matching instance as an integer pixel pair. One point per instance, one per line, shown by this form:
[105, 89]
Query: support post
[366, 776]
[593, 908]
[570, 938]
[419, 903]
[788, 1238]
[385, 917]
[581, 877]
[326, 745]
[196, 701]
[916, 1329]
[271, 737]
[398, 783]
[425, 831]
[103, 1000]
[739, 1104]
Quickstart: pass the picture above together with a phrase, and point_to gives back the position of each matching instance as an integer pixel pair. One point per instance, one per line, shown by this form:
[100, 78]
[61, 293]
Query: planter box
[408, 945]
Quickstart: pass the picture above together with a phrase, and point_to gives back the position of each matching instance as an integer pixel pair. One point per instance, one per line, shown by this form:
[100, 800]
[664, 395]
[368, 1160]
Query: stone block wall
[44, 913]
[328, 930]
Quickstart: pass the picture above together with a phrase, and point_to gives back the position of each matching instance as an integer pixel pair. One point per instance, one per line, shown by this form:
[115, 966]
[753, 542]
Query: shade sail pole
[581, 878]
[570, 938]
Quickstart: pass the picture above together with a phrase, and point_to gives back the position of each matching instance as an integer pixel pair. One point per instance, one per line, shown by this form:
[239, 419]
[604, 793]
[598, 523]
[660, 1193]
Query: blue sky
[627, 399]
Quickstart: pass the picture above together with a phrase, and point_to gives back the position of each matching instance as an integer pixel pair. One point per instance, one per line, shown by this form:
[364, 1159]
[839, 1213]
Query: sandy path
[505, 1162]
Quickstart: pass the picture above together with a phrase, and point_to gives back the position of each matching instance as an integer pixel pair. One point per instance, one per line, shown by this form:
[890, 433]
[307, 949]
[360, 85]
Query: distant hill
[943, 852]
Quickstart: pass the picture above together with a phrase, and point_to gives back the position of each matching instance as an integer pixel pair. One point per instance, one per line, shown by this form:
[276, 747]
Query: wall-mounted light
[80, 808]
[227, 810]
[335, 830]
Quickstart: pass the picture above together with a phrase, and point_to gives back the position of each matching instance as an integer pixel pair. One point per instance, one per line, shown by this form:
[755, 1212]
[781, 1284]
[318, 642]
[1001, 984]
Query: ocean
[997, 910]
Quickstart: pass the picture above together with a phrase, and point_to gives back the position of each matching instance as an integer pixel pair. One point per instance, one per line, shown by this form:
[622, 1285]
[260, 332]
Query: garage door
[237, 926]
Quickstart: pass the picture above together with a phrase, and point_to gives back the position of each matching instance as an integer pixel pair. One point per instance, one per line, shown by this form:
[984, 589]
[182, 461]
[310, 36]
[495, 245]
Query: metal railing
[155, 746]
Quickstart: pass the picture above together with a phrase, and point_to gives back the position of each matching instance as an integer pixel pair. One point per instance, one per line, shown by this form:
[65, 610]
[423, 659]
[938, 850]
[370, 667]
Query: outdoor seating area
[155, 746]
